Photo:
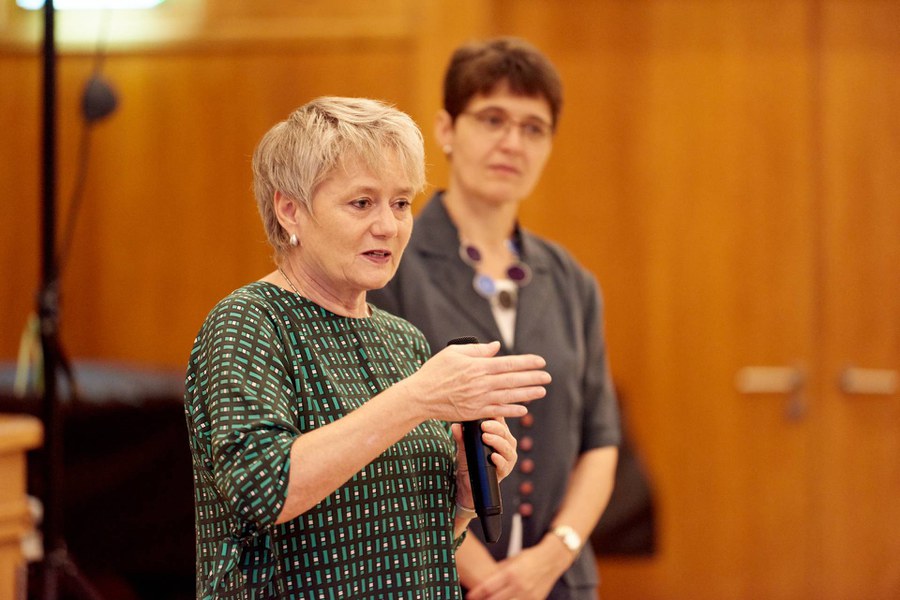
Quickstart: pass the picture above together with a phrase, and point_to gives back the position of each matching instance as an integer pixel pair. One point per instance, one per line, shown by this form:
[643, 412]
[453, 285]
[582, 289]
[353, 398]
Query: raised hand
[467, 382]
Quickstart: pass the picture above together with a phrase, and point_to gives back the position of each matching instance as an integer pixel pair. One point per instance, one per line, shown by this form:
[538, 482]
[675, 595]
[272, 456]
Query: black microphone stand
[56, 561]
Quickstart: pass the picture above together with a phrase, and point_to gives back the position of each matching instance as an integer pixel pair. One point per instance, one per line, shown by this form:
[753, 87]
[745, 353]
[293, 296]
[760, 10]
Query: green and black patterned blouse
[266, 367]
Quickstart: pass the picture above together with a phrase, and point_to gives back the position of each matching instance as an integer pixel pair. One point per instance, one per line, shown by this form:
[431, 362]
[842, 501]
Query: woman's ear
[286, 210]
[443, 130]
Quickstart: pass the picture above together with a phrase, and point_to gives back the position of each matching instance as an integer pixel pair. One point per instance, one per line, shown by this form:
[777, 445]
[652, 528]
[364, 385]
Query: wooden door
[857, 442]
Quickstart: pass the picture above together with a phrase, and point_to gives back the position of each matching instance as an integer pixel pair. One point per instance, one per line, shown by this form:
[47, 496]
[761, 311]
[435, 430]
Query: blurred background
[728, 169]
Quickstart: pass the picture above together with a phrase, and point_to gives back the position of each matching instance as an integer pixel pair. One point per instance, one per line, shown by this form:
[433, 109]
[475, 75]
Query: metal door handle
[769, 380]
[775, 380]
[855, 380]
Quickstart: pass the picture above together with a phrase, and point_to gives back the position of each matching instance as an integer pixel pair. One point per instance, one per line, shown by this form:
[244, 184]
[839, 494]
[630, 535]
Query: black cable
[98, 101]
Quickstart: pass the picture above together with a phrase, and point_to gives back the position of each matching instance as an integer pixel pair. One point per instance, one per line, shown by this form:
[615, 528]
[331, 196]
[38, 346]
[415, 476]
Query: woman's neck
[487, 225]
[293, 277]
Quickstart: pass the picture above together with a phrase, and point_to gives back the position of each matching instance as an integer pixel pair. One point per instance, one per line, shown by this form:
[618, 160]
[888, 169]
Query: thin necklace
[302, 295]
[290, 283]
[518, 272]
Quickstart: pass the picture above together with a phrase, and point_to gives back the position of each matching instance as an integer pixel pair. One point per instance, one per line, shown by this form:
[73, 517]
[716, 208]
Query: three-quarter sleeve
[241, 398]
[600, 422]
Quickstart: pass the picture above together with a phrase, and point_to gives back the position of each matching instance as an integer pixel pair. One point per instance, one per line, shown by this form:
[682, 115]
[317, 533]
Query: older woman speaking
[323, 451]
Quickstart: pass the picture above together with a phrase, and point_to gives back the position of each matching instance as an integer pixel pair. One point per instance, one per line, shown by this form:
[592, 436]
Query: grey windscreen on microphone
[466, 339]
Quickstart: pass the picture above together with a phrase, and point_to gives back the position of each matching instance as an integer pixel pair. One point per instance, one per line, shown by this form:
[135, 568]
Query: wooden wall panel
[168, 223]
[858, 475]
[192, 24]
[19, 195]
[726, 169]
[682, 177]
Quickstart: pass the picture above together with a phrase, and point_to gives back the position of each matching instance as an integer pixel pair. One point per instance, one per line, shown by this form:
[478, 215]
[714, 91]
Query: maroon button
[526, 509]
[525, 488]
[526, 443]
[527, 420]
[526, 465]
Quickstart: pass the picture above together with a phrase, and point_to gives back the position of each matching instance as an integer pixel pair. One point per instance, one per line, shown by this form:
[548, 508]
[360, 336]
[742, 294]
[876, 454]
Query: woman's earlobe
[443, 130]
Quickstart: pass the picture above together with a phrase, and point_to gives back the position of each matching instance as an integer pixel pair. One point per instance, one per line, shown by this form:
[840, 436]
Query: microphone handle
[482, 472]
[483, 477]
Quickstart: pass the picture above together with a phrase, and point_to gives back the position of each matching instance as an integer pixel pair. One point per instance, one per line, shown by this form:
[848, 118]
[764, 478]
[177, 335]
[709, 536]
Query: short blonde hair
[295, 155]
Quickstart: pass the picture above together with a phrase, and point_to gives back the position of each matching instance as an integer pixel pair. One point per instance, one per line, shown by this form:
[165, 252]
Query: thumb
[456, 430]
[478, 350]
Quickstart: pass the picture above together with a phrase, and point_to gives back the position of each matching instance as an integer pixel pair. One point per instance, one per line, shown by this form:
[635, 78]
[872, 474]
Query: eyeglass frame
[502, 129]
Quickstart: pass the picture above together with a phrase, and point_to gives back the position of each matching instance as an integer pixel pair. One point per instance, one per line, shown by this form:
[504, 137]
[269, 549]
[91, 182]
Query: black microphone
[482, 472]
[99, 99]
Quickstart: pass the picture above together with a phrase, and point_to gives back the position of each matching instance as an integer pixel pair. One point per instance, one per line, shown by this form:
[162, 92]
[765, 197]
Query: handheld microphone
[482, 472]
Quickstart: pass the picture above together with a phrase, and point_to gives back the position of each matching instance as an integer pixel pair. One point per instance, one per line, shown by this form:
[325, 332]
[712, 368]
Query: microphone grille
[466, 339]
[99, 99]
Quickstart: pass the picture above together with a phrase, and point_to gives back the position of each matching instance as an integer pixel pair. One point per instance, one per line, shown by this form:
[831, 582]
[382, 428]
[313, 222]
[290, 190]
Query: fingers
[464, 382]
[498, 436]
[511, 387]
[506, 402]
[478, 350]
[496, 587]
[456, 430]
[514, 363]
[497, 427]
[498, 364]
[516, 379]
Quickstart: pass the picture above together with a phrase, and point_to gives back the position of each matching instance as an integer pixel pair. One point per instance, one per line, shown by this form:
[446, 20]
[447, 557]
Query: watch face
[569, 537]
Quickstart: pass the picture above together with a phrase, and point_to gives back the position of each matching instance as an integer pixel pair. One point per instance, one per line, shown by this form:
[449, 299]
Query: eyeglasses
[496, 122]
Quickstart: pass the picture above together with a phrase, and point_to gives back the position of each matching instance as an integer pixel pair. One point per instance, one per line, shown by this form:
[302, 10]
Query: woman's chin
[376, 283]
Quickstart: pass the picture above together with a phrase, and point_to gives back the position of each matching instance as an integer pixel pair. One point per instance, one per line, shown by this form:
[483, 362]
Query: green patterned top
[266, 367]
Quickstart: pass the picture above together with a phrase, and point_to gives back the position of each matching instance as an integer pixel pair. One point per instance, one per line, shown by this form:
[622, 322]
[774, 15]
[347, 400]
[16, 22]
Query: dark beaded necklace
[518, 272]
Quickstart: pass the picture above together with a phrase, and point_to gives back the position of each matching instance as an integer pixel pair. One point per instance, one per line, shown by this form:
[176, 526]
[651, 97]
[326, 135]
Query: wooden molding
[197, 24]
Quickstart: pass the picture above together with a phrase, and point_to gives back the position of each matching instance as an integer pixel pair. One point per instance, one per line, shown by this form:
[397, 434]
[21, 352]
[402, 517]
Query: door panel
[858, 434]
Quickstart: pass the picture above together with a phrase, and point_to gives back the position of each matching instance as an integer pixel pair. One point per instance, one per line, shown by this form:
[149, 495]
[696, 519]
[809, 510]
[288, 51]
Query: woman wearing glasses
[470, 269]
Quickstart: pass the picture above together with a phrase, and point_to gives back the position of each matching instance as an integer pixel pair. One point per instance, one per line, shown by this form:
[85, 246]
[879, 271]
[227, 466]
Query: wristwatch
[569, 537]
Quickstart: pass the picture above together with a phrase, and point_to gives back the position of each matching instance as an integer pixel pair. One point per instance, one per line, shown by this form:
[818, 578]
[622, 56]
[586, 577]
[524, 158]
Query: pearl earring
[448, 149]
[293, 241]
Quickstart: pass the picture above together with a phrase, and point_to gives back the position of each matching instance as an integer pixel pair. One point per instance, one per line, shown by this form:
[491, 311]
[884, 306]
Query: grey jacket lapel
[436, 240]
[534, 297]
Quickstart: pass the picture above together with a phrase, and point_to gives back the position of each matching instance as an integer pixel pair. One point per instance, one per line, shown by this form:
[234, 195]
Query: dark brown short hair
[478, 67]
